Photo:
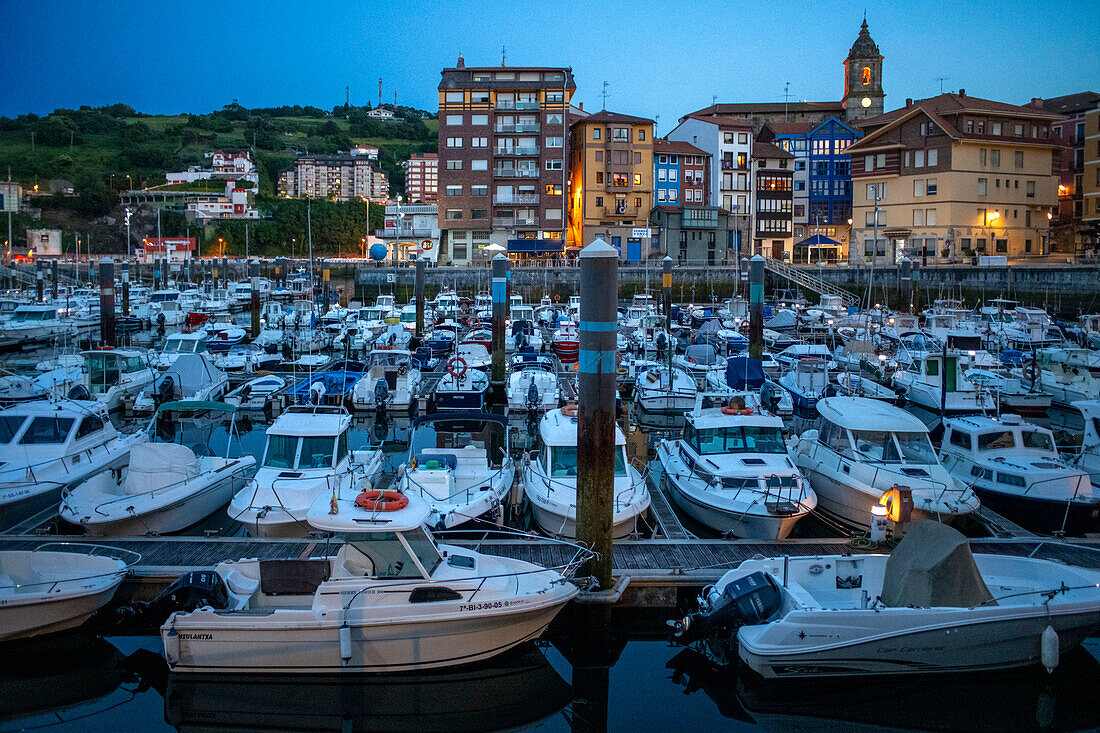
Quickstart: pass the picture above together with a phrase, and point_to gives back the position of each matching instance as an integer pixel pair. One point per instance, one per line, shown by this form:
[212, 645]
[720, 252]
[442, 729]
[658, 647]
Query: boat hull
[738, 524]
[48, 615]
[1043, 515]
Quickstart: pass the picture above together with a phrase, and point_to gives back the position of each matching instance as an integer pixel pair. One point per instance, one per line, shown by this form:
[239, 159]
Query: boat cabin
[307, 437]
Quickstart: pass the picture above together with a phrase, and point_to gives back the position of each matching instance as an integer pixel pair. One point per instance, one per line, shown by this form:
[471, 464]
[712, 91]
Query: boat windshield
[996, 441]
[316, 451]
[889, 447]
[563, 461]
[736, 439]
[389, 558]
[9, 426]
[45, 430]
[916, 448]
[1037, 440]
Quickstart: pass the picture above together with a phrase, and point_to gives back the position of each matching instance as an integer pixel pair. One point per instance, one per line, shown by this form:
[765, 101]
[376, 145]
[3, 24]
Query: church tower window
[866, 75]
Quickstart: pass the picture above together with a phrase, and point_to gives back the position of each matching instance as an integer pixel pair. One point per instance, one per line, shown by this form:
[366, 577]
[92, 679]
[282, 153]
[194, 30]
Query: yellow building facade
[1090, 181]
[610, 181]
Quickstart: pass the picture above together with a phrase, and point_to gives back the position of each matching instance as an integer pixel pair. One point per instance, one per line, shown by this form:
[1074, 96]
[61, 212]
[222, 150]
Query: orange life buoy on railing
[735, 411]
[744, 327]
[381, 501]
[456, 367]
[569, 410]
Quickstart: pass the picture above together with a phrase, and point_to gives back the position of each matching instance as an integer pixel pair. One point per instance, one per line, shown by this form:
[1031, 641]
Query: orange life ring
[730, 411]
[744, 327]
[382, 501]
[557, 298]
[453, 367]
[569, 410]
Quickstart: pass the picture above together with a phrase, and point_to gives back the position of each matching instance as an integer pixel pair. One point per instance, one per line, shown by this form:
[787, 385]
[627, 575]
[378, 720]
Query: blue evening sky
[659, 58]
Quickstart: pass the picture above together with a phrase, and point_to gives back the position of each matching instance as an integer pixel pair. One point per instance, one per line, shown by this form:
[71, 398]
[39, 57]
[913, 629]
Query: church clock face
[866, 101]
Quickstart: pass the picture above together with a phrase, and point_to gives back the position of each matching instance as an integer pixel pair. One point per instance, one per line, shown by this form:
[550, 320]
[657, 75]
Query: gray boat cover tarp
[932, 566]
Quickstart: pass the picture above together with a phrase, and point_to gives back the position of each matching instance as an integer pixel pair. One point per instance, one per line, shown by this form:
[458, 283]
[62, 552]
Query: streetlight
[128, 245]
[131, 180]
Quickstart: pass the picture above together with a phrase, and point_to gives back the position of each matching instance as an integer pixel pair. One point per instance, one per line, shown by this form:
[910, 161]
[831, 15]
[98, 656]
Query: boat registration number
[485, 606]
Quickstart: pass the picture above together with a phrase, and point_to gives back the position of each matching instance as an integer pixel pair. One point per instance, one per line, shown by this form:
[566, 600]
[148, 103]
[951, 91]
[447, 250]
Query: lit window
[866, 75]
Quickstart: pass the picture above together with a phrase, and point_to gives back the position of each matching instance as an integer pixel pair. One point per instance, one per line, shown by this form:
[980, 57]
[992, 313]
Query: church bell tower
[863, 95]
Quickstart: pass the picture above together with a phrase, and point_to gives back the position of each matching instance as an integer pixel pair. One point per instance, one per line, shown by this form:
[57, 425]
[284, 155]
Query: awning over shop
[818, 240]
[535, 246]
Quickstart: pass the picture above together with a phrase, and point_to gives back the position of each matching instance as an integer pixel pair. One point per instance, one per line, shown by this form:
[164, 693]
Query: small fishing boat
[660, 389]
[57, 586]
[532, 383]
[807, 383]
[391, 381]
[257, 393]
[114, 376]
[461, 387]
[566, 342]
[389, 600]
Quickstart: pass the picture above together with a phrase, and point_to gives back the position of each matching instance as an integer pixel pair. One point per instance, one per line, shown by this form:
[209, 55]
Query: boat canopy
[744, 373]
[862, 413]
[195, 406]
[933, 567]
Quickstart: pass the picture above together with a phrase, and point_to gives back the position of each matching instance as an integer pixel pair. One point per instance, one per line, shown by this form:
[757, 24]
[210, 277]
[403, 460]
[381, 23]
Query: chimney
[908, 103]
[962, 92]
[581, 106]
[461, 64]
[1037, 102]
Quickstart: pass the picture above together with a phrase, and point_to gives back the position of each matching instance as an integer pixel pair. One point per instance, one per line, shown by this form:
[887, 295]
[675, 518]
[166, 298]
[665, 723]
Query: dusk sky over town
[658, 59]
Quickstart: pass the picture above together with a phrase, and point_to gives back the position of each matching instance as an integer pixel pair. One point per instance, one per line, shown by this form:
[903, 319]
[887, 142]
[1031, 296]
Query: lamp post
[128, 250]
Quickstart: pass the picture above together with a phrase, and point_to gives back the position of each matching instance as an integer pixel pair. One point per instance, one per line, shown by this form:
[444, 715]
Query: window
[599, 201]
[743, 138]
[672, 175]
[479, 190]
[1027, 217]
[799, 185]
[553, 119]
[918, 217]
[930, 187]
[930, 218]
[47, 430]
[479, 165]
[918, 159]
[9, 426]
[454, 165]
[868, 162]
[454, 214]
[1019, 158]
[1002, 246]
[553, 164]
[1031, 188]
[554, 142]
[995, 128]
[982, 156]
[454, 119]
[995, 158]
[599, 156]
[455, 97]
[660, 194]
[800, 165]
[982, 186]
[599, 176]
[918, 187]
[880, 161]
[596, 133]
[637, 179]
[479, 96]
[872, 188]
[662, 174]
[637, 158]
[641, 134]
[479, 213]
[479, 120]
[960, 439]
[454, 190]
[1018, 130]
[454, 142]
[553, 213]
[88, 426]
[479, 142]
[553, 189]
[881, 218]
[619, 179]
[621, 134]
[933, 157]
[637, 202]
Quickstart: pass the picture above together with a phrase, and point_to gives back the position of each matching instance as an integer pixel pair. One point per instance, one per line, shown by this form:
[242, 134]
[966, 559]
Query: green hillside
[104, 150]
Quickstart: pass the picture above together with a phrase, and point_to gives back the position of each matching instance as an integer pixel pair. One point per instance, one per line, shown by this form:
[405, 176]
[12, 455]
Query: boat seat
[292, 577]
[440, 460]
[240, 584]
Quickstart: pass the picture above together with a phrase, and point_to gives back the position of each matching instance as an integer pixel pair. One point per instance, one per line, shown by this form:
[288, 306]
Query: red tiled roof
[951, 103]
[767, 150]
[1071, 103]
[791, 128]
[605, 116]
[677, 146]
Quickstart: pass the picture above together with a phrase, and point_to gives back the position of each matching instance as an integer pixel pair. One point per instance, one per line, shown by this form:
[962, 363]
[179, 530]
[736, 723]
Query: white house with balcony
[414, 230]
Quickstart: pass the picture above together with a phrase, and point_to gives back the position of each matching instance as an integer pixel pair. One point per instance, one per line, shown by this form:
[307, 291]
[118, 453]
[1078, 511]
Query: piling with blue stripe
[421, 266]
[756, 307]
[599, 291]
[500, 304]
[125, 288]
[107, 301]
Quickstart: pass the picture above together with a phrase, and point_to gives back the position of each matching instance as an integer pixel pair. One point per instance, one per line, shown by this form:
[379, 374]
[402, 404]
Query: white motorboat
[181, 343]
[57, 586]
[255, 394]
[391, 381]
[113, 376]
[461, 388]
[31, 324]
[854, 384]
[807, 383]
[936, 382]
[1065, 374]
[307, 455]
[389, 600]
[522, 333]
[460, 464]
[246, 358]
[1015, 469]
[1089, 457]
[865, 448]
[550, 479]
[532, 384]
[170, 483]
[731, 472]
[930, 606]
[191, 377]
[699, 361]
[661, 389]
[48, 445]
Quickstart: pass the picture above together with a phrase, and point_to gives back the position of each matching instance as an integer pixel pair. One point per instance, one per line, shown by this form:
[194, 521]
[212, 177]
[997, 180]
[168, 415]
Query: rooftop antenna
[347, 96]
[941, 80]
[604, 95]
[714, 99]
[503, 54]
[379, 91]
[786, 99]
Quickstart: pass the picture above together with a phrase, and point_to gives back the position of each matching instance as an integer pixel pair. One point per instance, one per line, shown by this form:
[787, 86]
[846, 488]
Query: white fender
[345, 643]
[1048, 646]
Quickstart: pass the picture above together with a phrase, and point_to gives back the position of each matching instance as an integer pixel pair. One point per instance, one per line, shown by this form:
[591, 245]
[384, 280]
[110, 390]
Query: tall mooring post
[107, 301]
[156, 274]
[599, 291]
[325, 274]
[213, 274]
[666, 290]
[254, 273]
[905, 284]
[125, 288]
[500, 304]
[507, 293]
[53, 279]
[225, 272]
[421, 274]
[756, 307]
[40, 279]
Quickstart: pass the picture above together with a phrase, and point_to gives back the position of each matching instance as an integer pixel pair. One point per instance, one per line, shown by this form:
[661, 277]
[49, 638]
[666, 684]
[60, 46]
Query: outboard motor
[165, 390]
[188, 592]
[79, 392]
[661, 342]
[532, 396]
[381, 392]
[750, 600]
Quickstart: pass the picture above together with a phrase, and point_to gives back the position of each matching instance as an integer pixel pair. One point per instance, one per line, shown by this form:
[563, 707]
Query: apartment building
[422, 178]
[1069, 233]
[1090, 180]
[954, 176]
[681, 174]
[336, 177]
[503, 136]
[773, 179]
[611, 181]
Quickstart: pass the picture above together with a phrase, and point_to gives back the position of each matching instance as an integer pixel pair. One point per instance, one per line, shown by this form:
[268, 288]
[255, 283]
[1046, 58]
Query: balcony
[515, 221]
[516, 199]
[729, 165]
[529, 127]
[528, 151]
[516, 172]
[527, 105]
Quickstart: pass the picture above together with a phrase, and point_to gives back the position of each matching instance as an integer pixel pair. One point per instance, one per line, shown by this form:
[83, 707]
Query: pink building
[422, 178]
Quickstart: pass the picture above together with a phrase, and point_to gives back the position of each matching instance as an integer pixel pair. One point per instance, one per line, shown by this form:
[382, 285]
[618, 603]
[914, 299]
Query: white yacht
[863, 449]
[113, 376]
[699, 361]
[661, 389]
[48, 445]
[390, 600]
[31, 324]
[930, 606]
[1089, 457]
[550, 479]
[256, 393]
[459, 463]
[938, 384]
[307, 455]
[1015, 469]
[1067, 375]
[533, 384]
[181, 343]
[170, 483]
[391, 382]
[731, 471]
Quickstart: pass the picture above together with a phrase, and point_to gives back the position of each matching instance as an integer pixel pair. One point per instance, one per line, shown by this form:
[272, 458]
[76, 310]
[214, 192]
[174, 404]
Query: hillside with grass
[104, 150]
